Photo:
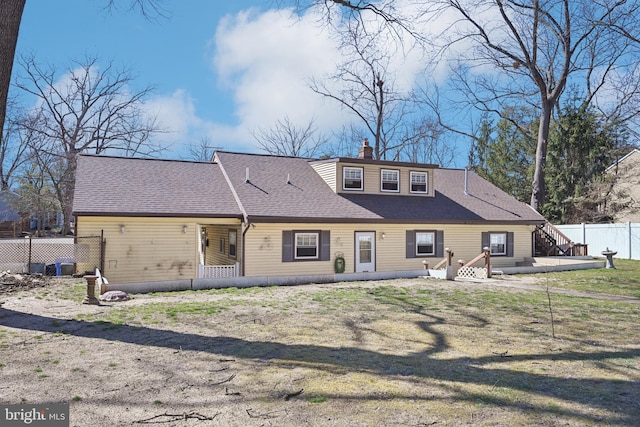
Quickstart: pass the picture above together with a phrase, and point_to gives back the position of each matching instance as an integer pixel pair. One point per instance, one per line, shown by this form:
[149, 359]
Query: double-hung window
[389, 180]
[419, 182]
[498, 243]
[306, 246]
[352, 178]
[425, 243]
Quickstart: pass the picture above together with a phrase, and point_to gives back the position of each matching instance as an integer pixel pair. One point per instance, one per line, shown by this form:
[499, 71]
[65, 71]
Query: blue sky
[221, 69]
[218, 67]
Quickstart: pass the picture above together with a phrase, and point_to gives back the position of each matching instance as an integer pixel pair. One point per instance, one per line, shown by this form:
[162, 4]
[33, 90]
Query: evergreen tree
[582, 144]
[504, 154]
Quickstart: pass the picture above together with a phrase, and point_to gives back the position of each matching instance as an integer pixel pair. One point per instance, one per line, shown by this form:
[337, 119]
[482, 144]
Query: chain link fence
[52, 256]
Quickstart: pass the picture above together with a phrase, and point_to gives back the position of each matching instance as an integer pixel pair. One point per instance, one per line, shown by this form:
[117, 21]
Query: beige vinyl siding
[327, 172]
[213, 254]
[372, 175]
[150, 249]
[264, 247]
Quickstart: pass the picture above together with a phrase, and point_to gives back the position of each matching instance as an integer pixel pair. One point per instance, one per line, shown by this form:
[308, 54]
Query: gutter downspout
[246, 223]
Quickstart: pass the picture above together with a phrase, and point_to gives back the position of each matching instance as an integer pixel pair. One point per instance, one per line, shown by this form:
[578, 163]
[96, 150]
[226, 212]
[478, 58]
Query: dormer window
[352, 178]
[390, 180]
[419, 182]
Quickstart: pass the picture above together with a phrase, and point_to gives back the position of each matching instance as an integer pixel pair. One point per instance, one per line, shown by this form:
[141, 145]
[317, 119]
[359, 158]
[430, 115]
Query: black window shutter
[486, 243]
[411, 244]
[439, 243]
[287, 246]
[510, 244]
[325, 245]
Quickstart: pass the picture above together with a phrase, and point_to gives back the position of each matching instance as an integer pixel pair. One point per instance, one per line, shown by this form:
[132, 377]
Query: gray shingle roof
[145, 187]
[124, 186]
[483, 202]
[268, 195]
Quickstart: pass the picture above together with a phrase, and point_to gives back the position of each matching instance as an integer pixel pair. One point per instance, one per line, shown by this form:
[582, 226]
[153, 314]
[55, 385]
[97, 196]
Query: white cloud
[266, 60]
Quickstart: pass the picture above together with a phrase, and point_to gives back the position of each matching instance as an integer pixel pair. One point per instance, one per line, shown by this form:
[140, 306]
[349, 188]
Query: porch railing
[218, 271]
[550, 241]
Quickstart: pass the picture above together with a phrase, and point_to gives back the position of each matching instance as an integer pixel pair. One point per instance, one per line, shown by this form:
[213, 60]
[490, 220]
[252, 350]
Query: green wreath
[339, 264]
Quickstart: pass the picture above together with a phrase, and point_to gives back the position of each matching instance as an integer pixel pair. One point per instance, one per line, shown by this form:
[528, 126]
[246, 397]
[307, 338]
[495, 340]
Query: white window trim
[397, 181]
[505, 237]
[295, 245]
[426, 175]
[433, 243]
[344, 172]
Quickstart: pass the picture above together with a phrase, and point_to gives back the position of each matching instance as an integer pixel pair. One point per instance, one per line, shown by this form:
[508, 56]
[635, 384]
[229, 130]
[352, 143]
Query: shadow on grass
[590, 392]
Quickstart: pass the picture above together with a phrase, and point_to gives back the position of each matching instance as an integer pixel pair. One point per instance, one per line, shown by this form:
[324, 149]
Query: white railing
[218, 271]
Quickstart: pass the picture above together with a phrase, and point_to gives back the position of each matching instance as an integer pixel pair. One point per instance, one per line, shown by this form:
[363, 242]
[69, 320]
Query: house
[625, 189]
[265, 215]
[11, 221]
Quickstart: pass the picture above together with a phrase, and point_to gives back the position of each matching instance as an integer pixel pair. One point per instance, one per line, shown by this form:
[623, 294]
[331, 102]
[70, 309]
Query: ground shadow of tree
[480, 370]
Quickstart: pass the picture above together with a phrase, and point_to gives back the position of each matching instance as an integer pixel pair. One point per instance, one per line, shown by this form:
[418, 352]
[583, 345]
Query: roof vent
[246, 178]
[466, 180]
[288, 178]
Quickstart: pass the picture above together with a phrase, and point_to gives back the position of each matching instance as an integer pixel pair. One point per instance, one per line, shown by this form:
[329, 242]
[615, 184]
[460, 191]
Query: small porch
[219, 251]
[218, 271]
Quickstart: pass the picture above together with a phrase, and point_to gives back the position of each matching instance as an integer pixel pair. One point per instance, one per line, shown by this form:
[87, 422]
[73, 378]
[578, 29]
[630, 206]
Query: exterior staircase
[549, 241]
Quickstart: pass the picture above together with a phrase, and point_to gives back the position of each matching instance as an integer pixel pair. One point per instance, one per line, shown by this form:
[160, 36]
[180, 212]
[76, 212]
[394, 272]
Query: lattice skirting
[472, 272]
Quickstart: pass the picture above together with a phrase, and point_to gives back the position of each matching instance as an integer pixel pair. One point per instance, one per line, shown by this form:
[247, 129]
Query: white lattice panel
[472, 272]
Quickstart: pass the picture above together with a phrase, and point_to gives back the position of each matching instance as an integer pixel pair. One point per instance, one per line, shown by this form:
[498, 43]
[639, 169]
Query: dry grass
[404, 352]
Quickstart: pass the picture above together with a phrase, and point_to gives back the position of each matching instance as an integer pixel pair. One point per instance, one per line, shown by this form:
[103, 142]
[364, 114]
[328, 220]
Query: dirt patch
[393, 353]
[10, 282]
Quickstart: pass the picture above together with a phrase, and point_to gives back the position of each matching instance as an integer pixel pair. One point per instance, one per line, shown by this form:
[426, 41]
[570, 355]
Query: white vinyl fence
[623, 238]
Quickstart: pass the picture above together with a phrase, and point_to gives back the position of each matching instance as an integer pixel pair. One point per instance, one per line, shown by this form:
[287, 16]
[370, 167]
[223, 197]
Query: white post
[629, 237]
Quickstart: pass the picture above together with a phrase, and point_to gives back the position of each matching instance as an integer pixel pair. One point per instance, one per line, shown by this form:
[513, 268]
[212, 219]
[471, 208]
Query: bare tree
[14, 148]
[10, 19]
[537, 47]
[363, 85]
[87, 110]
[202, 151]
[424, 142]
[512, 52]
[286, 139]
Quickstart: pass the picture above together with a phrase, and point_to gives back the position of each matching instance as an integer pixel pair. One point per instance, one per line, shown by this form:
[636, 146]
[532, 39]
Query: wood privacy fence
[623, 238]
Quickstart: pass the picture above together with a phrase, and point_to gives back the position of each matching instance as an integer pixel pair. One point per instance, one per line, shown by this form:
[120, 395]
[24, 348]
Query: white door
[365, 251]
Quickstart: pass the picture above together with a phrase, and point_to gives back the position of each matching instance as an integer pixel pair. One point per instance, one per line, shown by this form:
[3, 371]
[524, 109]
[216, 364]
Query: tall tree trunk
[10, 17]
[537, 186]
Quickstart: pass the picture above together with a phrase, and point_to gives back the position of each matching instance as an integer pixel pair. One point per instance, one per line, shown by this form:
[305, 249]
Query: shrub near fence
[623, 238]
[47, 255]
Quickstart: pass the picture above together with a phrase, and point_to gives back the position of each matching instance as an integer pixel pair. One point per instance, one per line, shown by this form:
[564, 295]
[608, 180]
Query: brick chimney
[365, 152]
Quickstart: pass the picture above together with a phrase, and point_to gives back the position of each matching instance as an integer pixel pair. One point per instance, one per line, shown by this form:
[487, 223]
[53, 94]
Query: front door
[365, 251]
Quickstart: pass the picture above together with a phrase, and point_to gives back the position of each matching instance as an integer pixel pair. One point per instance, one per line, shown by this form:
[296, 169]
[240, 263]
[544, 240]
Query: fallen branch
[231, 393]
[266, 415]
[175, 417]
[294, 394]
[225, 381]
